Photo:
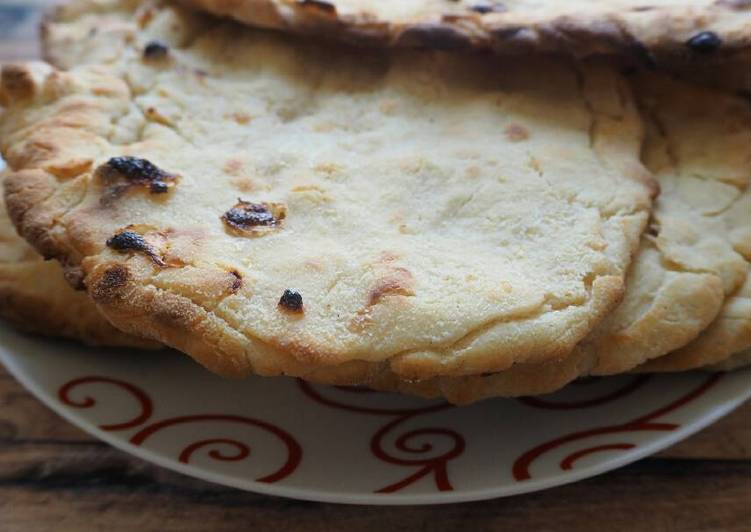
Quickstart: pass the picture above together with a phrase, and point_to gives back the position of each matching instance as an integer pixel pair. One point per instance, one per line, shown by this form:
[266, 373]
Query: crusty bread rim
[648, 33]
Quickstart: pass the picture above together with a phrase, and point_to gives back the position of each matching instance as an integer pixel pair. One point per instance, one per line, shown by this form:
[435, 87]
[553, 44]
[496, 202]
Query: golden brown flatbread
[425, 276]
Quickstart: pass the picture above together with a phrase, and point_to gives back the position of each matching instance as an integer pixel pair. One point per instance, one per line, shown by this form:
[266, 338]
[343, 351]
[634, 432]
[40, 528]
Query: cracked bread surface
[709, 139]
[423, 277]
[691, 265]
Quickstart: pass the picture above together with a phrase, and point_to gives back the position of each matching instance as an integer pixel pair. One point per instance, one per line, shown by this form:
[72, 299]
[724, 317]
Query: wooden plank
[728, 439]
[90, 488]
[23, 418]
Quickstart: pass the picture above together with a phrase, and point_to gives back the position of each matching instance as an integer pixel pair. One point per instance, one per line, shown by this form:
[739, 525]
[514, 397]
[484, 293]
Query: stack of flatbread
[463, 198]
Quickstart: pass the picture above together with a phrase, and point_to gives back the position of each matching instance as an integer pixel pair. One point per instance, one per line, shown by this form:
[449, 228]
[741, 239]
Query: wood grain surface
[53, 477]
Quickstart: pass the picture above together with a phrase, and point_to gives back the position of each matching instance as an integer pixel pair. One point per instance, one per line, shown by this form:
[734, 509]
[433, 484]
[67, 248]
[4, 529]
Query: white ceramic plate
[282, 437]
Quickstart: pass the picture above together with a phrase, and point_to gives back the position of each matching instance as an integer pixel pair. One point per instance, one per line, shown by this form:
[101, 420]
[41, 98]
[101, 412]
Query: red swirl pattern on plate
[144, 401]
[416, 449]
[242, 450]
[294, 451]
[437, 465]
[568, 462]
[521, 467]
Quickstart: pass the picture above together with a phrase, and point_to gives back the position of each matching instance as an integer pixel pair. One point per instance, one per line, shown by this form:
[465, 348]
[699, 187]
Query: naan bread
[709, 136]
[656, 30]
[416, 213]
[681, 275]
[737, 361]
[725, 337]
[692, 258]
[699, 148]
[35, 296]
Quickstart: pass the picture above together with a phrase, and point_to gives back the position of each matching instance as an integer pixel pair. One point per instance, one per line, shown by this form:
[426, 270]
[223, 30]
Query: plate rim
[373, 499]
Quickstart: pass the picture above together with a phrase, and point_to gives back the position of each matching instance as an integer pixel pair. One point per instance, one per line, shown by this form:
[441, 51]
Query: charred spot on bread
[130, 241]
[122, 173]
[487, 6]
[237, 282]
[705, 42]
[155, 50]
[291, 301]
[246, 218]
[109, 285]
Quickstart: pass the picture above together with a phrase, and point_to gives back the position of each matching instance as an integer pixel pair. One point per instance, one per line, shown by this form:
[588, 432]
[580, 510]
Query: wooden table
[54, 477]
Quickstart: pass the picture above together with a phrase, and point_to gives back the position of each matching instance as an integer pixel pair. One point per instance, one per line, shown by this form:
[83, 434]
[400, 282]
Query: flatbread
[520, 380]
[678, 281]
[100, 31]
[536, 180]
[666, 307]
[710, 135]
[692, 258]
[35, 297]
[737, 361]
[657, 30]
[699, 148]
[725, 337]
